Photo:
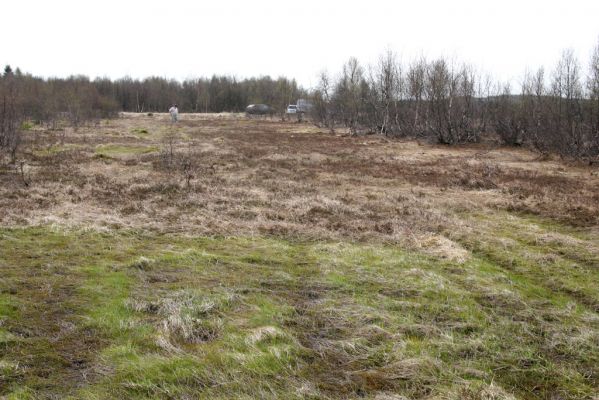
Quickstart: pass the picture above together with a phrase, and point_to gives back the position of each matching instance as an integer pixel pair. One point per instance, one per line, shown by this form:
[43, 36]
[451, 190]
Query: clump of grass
[103, 157]
[115, 150]
[7, 338]
[27, 126]
[142, 263]
[22, 393]
[9, 370]
[187, 316]
[140, 131]
[55, 150]
[265, 334]
[482, 391]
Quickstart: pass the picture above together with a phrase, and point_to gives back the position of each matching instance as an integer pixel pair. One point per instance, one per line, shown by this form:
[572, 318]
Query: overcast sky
[181, 39]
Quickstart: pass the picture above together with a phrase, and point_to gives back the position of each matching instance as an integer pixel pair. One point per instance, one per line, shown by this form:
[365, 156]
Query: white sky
[181, 39]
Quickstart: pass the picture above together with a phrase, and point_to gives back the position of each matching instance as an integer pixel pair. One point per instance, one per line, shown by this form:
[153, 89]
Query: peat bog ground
[228, 257]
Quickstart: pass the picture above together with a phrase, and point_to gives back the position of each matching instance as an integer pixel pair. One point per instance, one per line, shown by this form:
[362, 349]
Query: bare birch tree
[593, 91]
[10, 114]
[386, 83]
[349, 94]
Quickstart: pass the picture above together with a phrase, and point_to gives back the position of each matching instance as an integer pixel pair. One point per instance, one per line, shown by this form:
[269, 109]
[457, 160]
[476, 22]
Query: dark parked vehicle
[259, 109]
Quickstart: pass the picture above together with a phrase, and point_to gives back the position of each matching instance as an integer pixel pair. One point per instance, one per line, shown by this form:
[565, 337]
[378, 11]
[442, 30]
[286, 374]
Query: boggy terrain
[228, 257]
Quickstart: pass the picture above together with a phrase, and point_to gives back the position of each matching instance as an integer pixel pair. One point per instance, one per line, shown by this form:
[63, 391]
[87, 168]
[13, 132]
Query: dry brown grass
[263, 176]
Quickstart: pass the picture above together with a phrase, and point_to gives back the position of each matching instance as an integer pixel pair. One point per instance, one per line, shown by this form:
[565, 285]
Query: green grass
[137, 315]
[114, 151]
[27, 126]
[55, 149]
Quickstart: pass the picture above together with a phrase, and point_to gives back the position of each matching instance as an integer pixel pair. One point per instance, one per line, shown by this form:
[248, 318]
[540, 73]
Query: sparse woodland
[553, 111]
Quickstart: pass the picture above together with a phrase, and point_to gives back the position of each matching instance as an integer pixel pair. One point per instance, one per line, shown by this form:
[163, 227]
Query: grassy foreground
[130, 314]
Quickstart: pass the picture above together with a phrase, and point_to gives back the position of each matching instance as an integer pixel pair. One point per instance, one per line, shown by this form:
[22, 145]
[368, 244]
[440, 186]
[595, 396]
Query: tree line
[210, 95]
[451, 102]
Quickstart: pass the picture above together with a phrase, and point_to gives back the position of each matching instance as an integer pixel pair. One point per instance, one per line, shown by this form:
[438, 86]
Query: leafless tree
[468, 126]
[349, 94]
[322, 112]
[593, 91]
[437, 89]
[483, 94]
[535, 110]
[415, 88]
[10, 114]
[566, 112]
[386, 82]
[506, 116]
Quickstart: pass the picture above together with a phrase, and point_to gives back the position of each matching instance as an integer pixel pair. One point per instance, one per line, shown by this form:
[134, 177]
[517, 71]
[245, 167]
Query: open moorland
[227, 257]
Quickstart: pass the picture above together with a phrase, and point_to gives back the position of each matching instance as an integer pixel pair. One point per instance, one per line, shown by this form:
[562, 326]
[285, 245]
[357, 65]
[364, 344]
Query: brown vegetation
[225, 174]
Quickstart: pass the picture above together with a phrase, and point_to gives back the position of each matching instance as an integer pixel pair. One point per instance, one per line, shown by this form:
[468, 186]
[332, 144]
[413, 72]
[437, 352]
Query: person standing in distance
[174, 111]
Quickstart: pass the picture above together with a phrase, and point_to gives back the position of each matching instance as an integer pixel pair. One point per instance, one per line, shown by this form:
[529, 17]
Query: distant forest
[103, 96]
[555, 111]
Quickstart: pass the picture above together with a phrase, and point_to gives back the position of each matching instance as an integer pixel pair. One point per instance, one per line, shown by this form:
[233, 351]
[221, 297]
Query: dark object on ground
[259, 109]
